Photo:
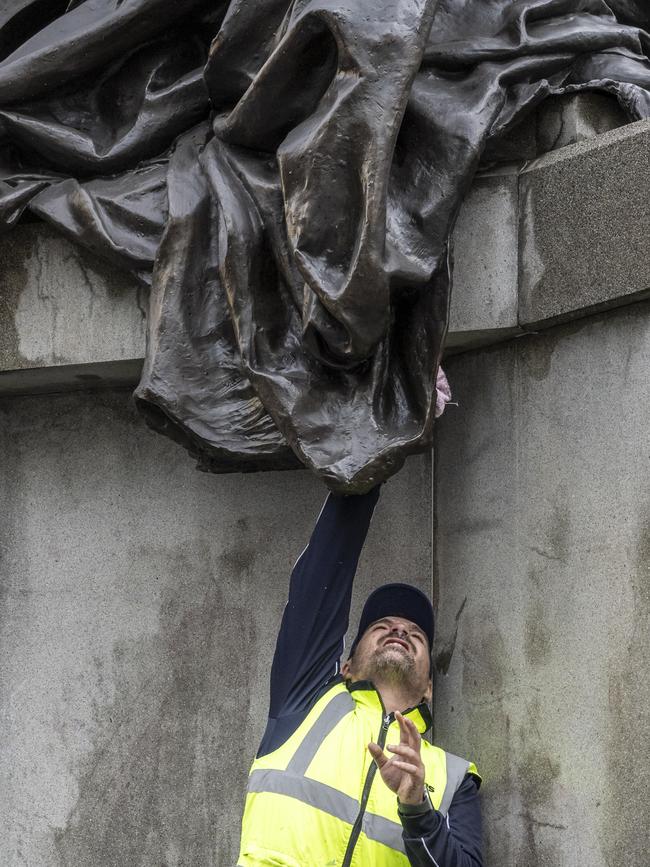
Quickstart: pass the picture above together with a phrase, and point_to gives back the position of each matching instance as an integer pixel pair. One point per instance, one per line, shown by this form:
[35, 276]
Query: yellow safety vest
[317, 800]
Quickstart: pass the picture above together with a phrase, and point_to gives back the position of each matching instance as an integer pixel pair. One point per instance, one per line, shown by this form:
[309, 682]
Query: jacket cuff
[415, 809]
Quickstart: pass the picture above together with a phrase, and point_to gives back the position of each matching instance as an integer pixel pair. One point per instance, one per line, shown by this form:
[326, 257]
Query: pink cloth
[443, 392]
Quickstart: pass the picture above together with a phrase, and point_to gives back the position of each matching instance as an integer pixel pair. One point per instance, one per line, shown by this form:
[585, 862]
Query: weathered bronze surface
[285, 176]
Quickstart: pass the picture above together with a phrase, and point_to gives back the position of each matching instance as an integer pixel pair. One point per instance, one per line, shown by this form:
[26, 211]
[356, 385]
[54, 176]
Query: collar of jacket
[366, 694]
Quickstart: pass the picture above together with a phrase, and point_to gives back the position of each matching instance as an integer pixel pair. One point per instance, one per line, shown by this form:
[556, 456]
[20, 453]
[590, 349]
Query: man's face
[393, 650]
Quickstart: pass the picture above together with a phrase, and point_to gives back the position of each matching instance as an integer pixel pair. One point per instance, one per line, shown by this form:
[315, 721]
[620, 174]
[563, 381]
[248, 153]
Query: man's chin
[395, 651]
[393, 659]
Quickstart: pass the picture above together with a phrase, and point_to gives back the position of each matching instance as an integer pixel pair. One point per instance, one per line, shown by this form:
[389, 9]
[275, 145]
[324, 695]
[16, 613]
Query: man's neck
[395, 698]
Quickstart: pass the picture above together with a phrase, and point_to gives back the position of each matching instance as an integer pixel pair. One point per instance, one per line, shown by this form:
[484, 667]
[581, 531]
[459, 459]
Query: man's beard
[389, 666]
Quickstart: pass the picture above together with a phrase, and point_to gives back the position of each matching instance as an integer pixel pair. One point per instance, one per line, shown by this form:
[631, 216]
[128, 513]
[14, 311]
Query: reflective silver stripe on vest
[383, 831]
[456, 770]
[329, 800]
[341, 705]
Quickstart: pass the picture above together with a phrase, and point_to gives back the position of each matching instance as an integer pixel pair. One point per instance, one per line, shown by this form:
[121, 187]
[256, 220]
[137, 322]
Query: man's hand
[404, 773]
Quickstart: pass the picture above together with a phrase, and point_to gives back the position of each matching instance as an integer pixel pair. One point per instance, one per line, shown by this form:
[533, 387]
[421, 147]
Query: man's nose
[399, 631]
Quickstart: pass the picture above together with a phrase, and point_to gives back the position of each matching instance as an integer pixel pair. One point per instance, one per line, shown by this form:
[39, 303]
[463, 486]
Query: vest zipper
[370, 776]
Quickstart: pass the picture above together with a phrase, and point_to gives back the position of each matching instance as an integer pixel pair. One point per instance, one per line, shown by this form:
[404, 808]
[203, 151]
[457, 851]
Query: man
[343, 777]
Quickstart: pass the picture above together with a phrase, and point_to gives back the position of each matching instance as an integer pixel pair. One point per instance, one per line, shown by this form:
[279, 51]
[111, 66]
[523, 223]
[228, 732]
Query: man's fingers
[405, 752]
[408, 730]
[378, 754]
[406, 766]
[413, 729]
[405, 734]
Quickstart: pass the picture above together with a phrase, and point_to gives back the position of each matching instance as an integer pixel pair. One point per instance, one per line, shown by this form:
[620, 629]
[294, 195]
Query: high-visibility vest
[317, 800]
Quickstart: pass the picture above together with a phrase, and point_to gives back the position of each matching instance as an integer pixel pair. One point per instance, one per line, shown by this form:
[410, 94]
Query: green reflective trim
[456, 770]
[340, 706]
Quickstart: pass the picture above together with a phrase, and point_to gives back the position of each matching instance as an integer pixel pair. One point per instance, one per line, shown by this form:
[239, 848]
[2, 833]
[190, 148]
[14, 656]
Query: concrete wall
[542, 502]
[140, 603]
[542, 574]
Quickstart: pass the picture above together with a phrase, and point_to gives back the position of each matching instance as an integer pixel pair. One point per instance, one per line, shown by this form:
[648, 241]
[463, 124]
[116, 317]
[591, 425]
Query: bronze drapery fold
[285, 176]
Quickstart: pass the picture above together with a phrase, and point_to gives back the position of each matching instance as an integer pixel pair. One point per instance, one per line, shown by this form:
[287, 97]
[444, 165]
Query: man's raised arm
[316, 616]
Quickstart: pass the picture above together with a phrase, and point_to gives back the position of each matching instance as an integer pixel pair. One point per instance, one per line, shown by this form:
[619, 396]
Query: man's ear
[428, 693]
[346, 669]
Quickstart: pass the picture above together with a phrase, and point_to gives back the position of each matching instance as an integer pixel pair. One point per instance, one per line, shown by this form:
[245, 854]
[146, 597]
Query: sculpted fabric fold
[285, 175]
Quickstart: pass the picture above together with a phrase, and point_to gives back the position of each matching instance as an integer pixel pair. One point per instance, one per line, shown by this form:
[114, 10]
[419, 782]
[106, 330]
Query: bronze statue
[285, 175]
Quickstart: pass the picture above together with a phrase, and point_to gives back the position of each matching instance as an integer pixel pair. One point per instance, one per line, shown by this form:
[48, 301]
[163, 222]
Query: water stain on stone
[536, 354]
[446, 650]
[536, 351]
[537, 640]
[537, 773]
[13, 279]
[556, 530]
[626, 805]
[491, 727]
[475, 527]
[483, 662]
[239, 560]
[435, 528]
[164, 783]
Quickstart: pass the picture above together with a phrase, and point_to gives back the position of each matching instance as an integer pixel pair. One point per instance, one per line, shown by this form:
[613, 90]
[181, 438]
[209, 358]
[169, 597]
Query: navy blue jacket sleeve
[315, 620]
[431, 839]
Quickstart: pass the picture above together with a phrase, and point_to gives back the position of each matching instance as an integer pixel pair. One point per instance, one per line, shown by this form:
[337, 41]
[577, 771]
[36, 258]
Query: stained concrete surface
[585, 227]
[576, 117]
[71, 377]
[60, 305]
[140, 603]
[557, 122]
[484, 247]
[542, 574]
[559, 237]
